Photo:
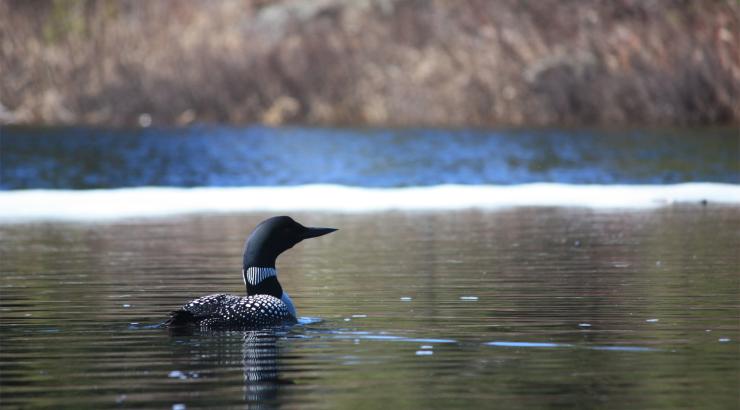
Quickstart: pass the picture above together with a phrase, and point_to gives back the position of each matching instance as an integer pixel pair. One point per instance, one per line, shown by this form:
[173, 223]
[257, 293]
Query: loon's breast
[230, 311]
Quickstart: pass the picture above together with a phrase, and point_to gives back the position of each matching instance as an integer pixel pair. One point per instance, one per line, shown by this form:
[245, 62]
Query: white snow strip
[23, 205]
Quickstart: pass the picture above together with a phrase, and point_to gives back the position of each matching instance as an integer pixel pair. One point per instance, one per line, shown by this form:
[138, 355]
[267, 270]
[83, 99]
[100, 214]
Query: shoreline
[392, 63]
[110, 204]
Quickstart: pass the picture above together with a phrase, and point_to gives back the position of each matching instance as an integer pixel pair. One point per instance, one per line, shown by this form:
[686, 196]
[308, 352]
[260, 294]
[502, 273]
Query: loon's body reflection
[261, 369]
[256, 351]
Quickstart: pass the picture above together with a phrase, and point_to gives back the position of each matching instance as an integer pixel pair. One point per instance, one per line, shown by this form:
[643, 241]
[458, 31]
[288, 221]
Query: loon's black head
[274, 236]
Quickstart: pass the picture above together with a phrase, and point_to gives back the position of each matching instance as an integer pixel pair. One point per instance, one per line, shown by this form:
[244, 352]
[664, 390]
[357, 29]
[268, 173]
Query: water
[84, 158]
[622, 293]
[518, 308]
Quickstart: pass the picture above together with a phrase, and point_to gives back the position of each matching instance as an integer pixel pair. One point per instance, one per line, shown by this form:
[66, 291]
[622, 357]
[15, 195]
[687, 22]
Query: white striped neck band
[254, 275]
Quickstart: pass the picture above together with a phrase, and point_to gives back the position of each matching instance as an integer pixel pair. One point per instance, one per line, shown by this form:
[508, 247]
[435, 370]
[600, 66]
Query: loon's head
[274, 236]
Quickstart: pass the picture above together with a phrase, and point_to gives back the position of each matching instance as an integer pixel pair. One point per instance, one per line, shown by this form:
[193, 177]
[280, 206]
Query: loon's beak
[314, 232]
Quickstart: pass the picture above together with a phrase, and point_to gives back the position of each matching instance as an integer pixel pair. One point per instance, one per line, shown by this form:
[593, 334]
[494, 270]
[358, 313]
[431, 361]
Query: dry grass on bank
[371, 62]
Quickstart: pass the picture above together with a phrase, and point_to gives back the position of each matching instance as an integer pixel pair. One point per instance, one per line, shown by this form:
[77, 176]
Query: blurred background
[370, 62]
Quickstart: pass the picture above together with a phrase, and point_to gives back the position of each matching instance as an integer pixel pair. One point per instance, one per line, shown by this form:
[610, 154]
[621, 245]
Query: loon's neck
[262, 281]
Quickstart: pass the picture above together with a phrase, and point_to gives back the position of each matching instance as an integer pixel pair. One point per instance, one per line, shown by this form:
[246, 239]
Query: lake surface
[86, 158]
[613, 285]
[516, 308]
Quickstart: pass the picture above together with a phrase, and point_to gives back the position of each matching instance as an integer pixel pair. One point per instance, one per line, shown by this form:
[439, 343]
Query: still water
[87, 158]
[514, 308]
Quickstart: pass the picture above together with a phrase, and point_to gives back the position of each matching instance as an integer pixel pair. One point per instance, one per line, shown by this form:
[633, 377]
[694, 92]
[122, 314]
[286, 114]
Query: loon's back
[229, 311]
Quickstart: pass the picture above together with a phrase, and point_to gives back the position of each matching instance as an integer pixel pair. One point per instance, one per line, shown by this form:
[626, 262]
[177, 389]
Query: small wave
[308, 320]
[152, 201]
[387, 338]
[551, 345]
[527, 344]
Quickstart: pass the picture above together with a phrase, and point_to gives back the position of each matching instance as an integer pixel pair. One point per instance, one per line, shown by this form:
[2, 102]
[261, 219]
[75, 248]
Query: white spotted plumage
[222, 310]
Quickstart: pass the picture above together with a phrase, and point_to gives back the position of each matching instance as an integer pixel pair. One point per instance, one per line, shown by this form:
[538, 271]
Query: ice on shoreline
[23, 205]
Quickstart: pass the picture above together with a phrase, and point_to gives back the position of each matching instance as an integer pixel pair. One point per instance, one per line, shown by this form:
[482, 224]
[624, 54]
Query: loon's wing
[223, 310]
[204, 308]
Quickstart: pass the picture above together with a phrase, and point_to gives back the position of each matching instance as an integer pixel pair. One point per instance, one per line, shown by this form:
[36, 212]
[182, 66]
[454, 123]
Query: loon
[265, 304]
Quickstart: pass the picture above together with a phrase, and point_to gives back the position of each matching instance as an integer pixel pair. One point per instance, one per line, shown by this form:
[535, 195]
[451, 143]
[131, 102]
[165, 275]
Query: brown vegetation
[370, 62]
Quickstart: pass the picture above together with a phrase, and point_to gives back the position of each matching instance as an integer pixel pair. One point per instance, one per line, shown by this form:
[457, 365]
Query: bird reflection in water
[213, 352]
[261, 371]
